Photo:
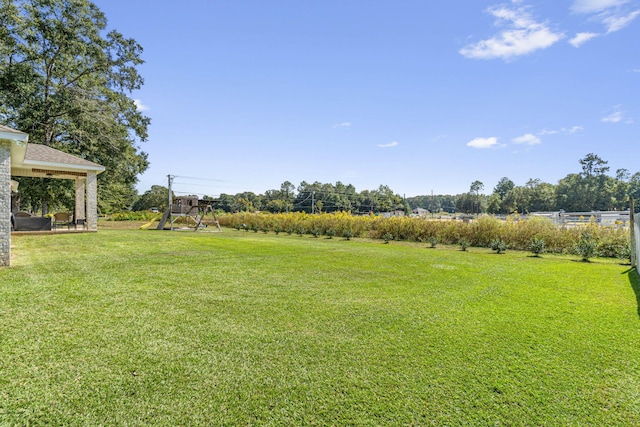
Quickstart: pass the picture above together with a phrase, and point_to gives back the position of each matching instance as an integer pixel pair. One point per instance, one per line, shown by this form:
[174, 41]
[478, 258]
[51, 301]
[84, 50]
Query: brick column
[80, 211]
[92, 201]
[5, 202]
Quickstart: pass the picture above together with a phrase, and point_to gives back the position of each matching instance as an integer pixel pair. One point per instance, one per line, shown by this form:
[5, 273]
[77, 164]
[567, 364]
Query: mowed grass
[137, 328]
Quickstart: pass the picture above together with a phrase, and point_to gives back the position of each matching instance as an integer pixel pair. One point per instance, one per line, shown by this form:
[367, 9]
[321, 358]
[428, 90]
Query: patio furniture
[60, 219]
[30, 223]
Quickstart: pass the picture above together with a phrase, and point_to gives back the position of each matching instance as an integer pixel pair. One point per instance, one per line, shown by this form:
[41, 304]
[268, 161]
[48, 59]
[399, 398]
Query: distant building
[397, 212]
[420, 212]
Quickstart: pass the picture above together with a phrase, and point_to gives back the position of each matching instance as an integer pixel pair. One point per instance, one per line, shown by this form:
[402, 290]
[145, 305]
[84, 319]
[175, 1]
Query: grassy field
[137, 328]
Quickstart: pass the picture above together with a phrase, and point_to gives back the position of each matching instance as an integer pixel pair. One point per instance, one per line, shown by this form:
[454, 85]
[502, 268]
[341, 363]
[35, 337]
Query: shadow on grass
[634, 280]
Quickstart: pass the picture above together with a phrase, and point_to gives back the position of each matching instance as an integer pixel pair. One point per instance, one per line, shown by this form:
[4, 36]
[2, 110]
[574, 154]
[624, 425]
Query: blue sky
[418, 95]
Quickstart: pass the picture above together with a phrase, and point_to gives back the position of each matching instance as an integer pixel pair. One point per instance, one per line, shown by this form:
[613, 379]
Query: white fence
[608, 218]
[635, 239]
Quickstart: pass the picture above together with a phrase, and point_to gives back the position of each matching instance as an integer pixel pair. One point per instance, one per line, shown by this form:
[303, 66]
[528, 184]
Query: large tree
[503, 199]
[156, 197]
[67, 82]
[590, 190]
[542, 196]
[476, 188]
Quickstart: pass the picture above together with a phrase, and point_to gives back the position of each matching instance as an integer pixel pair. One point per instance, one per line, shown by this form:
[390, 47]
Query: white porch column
[92, 200]
[80, 211]
[5, 202]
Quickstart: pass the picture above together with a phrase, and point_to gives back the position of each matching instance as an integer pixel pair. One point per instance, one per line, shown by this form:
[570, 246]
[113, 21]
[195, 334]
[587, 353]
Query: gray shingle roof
[43, 153]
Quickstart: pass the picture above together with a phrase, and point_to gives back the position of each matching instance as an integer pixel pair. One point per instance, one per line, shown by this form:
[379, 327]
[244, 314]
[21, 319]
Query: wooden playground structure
[190, 212]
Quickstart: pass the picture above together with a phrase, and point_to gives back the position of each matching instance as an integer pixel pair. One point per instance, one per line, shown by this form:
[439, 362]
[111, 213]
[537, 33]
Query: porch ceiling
[37, 160]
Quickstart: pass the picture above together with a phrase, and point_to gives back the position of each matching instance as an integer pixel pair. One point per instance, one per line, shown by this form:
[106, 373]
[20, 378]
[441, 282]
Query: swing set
[190, 211]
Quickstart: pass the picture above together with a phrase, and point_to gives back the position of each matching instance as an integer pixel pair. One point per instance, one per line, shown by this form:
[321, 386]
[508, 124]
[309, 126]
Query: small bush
[464, 244]
[586, 246]
[537, 246]
[433, 241]
[133, 216]
[387, 237]
[624, 254]
[498, 245]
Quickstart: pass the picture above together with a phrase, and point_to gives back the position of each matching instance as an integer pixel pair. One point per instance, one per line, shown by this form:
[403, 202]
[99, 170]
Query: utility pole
[170, 197]
[432, 204]
[167, 213]
[313, 201]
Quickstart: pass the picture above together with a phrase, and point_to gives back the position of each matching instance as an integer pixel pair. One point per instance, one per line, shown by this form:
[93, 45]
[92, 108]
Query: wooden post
[632, 226]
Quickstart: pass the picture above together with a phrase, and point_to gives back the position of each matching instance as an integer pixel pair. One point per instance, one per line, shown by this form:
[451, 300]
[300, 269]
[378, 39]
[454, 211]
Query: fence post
[634, 241]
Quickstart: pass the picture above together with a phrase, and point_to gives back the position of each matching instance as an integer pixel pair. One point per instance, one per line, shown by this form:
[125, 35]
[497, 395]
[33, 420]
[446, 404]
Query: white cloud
[582, 38]
[482, 143]
[562, 131]
[614, 116]
[595, 6]
[523, 35]
[341, 125]
[572, 130]
[617, 22]
[139, 105]
[527, 139]
[391, 144]
[611, 13]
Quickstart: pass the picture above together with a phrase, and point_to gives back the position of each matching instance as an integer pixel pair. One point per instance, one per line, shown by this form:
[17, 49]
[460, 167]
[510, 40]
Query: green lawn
[137, 328]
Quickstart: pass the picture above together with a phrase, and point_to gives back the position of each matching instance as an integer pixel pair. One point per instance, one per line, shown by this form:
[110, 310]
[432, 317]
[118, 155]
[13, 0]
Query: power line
[199, 179]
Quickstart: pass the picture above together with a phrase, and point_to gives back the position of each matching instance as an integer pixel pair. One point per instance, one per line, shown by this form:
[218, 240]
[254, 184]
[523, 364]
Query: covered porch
[19, 158]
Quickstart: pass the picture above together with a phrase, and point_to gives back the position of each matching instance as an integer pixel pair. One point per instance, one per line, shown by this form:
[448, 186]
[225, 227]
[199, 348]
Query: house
[20, 158]
[397, 212]
[419, 212]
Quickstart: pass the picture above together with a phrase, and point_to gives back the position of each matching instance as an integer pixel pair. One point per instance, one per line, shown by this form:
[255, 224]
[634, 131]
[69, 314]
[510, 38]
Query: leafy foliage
[586, 246]
[132, 216]
[515, 233]
[464, 244]
[65, 80]
[537, 246]
[498, 245]
[157, 196]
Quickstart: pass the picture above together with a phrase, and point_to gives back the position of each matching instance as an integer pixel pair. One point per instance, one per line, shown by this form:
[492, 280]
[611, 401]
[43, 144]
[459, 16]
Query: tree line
[589, 190]
[307, 197]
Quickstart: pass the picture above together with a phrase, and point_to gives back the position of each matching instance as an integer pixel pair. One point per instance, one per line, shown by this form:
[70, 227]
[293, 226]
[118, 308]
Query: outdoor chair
[60, 219]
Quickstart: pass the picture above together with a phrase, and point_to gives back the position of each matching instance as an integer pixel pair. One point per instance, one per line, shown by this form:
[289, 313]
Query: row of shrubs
[133, 216]
[486, 231]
